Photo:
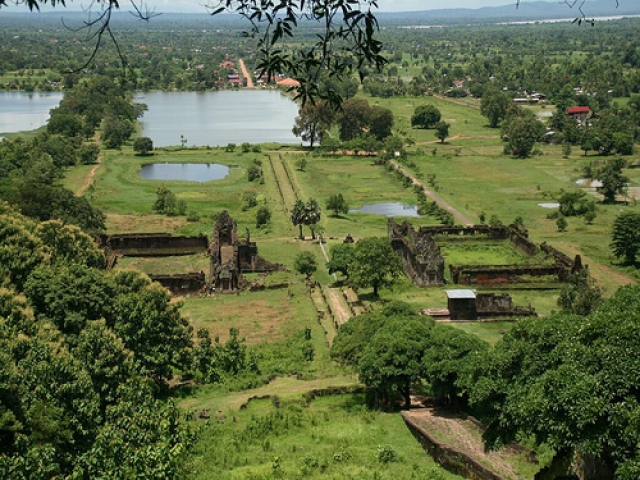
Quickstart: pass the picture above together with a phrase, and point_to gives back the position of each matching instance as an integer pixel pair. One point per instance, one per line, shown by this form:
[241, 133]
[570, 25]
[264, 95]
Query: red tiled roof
[288, 82]
[577, 110]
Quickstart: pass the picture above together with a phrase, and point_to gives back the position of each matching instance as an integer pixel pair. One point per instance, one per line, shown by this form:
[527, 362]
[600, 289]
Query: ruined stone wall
[500, 274]
[493, 302]
[448, 457]
[421, 258]
[181, 283]
[153, 244]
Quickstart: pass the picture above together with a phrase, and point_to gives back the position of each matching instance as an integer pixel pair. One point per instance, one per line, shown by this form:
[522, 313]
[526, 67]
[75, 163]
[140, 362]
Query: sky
[196, 6]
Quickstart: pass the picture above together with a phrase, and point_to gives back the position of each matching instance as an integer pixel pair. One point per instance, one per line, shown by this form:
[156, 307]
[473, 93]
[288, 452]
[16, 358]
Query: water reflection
[24, 111]
[190, 172]
[389, 209]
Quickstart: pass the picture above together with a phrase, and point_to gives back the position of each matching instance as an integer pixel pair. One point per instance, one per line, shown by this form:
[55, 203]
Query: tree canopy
[374, 264]
[570, 381]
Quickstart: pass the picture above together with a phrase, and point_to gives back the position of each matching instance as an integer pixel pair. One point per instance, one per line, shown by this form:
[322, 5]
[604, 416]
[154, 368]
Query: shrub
[386, 454]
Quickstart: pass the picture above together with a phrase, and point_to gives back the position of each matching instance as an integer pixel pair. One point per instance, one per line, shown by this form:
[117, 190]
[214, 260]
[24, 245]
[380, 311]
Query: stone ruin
[231, 257]
[424, 265]
[421, 258]
[466, 304]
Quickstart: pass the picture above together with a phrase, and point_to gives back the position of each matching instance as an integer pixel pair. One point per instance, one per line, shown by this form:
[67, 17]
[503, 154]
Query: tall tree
[425, 116]
[298, 216]
[494, 106]
[337, 204]
[354, 119]
[442, 131]
[625, 237]
[614, 182]
[522, 130]
[313, 122]
[151, 326]
[380, 122]
[305, 264]
[391, 360]
[374, 264]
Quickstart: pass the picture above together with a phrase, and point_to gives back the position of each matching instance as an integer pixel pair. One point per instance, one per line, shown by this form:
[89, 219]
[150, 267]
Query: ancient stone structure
[181, 283]
[421, 258]
[466, 304]
[230, 256]
[153, 244]
[558, 271]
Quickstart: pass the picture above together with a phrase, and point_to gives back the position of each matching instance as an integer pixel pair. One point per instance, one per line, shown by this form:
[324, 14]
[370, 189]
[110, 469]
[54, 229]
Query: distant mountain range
[525, 12]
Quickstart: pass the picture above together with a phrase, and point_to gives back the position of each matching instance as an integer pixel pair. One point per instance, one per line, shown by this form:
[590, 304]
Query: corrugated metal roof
[461, 293]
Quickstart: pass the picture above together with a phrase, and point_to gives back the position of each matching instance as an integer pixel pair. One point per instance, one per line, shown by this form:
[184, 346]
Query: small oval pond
[389, 209]
[190, 172]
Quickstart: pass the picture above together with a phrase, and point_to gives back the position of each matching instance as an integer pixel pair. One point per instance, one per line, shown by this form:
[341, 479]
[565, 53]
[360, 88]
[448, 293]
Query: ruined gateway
[231, 257]
[421, 258]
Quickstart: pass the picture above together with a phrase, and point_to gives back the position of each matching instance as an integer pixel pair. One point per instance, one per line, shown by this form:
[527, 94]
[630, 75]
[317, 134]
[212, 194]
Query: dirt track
[466, 436]
[89, 180]
[245, 73]
[459, 216]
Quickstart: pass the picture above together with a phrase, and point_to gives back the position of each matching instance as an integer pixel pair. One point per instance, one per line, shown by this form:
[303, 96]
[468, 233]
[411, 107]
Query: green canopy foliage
[374, 264]
[570, 381]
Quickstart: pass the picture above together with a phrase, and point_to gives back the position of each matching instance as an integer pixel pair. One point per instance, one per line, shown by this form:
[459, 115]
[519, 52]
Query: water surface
[218, 118]
[190, 172]
[22, 111]
[390, 209]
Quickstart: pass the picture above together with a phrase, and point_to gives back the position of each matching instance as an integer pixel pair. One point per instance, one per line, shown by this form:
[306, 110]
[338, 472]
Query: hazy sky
[194, 6]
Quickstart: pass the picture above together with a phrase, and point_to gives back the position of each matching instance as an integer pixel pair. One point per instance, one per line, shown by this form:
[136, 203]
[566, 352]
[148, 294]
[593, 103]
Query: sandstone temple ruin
[421, 258]
[230, 256]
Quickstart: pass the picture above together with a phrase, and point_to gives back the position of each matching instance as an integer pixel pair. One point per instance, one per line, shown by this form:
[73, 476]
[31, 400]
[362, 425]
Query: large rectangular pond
[218, 118]
[22, 111]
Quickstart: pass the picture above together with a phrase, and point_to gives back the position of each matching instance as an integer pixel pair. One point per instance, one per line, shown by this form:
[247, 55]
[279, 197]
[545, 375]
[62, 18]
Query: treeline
[602, 61]
[31, 170]
[565, 381]
[163, 54]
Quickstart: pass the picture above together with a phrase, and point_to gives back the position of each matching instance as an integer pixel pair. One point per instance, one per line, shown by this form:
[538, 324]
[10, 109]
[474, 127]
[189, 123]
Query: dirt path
[338, 306]
[601, 273]
[245, 73]
[460, 217]
[457, 102]
[89, 180]
[466, 436]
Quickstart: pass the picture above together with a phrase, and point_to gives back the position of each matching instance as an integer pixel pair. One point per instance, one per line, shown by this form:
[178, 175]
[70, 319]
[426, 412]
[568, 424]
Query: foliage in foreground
[570, 381]
[84, 355]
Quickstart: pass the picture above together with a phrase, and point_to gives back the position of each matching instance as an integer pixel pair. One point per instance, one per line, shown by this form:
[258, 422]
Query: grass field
[334, 437]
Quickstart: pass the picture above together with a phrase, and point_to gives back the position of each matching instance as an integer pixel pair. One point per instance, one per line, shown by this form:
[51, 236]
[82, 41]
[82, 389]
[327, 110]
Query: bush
[254, 172]
[250, 199]
[386, 454]
[263, 217]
